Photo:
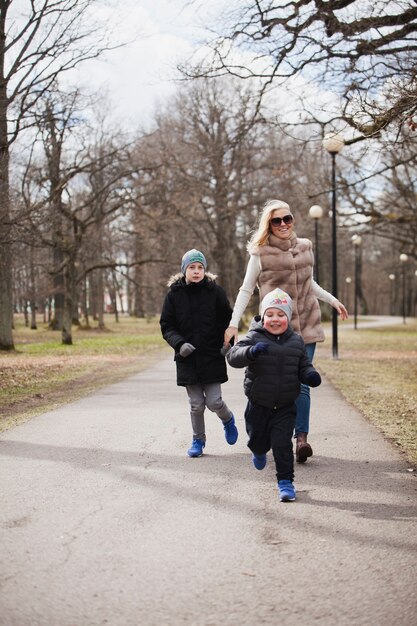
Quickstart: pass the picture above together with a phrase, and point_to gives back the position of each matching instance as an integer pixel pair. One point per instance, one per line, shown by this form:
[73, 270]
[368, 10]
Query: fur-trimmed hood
[179, 278]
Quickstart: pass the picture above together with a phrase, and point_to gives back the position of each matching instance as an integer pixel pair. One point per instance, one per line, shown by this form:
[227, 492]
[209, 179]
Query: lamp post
[403, 259]
[316, 212]
[356, 240]
[348, 281]
[391, 294]
[333, 144]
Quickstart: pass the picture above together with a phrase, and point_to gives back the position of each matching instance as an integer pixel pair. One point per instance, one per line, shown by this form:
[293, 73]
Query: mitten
[258, 348]
[313, 379]
[186, 349]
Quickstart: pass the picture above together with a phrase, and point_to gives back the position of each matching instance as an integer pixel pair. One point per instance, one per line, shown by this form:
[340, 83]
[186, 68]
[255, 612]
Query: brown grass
[43, 374]
[377, 373]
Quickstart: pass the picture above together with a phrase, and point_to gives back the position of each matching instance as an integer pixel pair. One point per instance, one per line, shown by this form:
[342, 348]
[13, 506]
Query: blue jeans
[302, 403]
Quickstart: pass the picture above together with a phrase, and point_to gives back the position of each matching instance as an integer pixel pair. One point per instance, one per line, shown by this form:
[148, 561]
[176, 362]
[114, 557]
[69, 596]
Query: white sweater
[249, 283]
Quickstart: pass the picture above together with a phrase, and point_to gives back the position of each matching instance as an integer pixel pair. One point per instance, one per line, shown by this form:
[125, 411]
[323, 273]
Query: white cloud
[161, 33]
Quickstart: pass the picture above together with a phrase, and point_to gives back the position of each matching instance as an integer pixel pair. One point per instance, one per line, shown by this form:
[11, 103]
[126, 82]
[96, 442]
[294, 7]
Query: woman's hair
[261, 235]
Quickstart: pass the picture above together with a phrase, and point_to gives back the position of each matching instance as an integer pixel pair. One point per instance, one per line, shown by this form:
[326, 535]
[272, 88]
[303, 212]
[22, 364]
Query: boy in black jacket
[194, 316]
[276, 362]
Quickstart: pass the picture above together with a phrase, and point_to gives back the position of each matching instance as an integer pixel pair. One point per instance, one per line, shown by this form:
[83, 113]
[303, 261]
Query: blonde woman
[278, 258]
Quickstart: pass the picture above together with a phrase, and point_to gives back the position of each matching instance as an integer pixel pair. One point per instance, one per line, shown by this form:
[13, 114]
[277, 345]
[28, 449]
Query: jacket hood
[179, 280]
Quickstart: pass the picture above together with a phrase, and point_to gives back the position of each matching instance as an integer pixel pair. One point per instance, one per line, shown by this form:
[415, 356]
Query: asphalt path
[105, 520]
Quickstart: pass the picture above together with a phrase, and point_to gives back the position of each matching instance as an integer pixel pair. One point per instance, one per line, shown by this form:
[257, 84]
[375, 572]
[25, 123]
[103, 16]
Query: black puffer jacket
[197, 313]
[272, 379]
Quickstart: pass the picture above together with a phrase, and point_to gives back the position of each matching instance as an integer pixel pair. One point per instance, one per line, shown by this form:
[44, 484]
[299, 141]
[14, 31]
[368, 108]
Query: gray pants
[200, 397]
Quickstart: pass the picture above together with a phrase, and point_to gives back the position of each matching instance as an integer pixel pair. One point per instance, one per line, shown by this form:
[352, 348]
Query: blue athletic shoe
[230, 431]
[196, 448]
[286, 491]
[259, 461]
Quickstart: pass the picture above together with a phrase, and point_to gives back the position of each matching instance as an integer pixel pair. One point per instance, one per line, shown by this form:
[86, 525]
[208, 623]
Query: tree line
[90, 215]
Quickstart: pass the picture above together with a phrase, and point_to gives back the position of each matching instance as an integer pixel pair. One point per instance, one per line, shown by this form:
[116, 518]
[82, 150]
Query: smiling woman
[278, 258]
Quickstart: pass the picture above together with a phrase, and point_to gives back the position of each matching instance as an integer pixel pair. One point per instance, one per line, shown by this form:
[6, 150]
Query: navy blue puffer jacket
[272, 379]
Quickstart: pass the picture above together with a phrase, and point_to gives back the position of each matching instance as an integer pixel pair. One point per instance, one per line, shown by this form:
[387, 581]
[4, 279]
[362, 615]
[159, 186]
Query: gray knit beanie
[277, 299]
[193, 256]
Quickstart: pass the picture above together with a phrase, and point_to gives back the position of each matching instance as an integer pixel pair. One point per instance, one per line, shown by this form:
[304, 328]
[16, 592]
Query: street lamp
[403, 259]
[316, 212]
[333, 143]
[391, 297]
[348, 281]
[356, 240]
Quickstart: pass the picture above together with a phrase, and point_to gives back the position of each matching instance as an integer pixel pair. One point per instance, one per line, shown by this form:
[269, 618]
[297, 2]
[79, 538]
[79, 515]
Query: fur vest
[288, 264]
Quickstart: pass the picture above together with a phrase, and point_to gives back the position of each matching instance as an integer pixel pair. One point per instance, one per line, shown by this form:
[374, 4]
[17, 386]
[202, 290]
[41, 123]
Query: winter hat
[277, 299]
[193, 256]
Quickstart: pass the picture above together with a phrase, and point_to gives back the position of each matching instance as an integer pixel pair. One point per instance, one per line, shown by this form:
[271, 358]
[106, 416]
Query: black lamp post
[356, 240]
[348, 281]
[403, 259]
[391, 297]
[316, 212]
[333, 144]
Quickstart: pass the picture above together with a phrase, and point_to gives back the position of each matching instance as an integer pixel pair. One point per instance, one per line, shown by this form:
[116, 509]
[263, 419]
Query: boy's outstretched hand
[186, 349]
[313, 379]
[257, 349]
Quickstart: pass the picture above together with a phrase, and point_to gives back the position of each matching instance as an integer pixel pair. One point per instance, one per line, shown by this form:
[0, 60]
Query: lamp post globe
[316, 212]
[333, 143]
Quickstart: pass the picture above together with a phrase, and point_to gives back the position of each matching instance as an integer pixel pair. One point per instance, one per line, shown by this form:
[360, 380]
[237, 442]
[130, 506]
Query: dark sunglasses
[287, 219]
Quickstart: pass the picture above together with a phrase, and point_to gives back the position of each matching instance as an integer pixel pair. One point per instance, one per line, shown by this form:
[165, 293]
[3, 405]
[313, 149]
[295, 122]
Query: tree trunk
[69, 275]
[6, 306]
[33, 306]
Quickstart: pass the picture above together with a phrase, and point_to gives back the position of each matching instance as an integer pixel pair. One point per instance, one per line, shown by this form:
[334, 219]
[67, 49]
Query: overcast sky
[161, 32]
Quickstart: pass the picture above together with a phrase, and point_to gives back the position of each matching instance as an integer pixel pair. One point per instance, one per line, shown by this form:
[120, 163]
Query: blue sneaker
[230, 431]
[196, 448]
[286, 491]
[259, 461]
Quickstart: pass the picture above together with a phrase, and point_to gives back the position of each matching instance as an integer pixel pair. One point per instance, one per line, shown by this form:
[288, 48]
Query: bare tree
[38, 42]
[363, 51]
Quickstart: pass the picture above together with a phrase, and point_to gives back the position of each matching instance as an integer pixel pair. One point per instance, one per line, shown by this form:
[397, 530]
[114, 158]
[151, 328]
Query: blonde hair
[261, 235]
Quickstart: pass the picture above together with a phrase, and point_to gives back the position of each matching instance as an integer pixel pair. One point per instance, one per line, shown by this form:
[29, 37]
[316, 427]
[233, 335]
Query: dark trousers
[273, 428]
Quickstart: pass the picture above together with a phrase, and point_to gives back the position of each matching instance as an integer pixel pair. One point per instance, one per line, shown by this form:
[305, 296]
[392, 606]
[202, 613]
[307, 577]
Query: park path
[105, 520]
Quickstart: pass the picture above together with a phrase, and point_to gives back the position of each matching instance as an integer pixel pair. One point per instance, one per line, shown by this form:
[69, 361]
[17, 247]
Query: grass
[43, 373]
[376, 371]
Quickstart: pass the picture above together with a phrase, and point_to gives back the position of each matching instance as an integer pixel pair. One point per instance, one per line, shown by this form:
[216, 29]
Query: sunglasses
[287, 219]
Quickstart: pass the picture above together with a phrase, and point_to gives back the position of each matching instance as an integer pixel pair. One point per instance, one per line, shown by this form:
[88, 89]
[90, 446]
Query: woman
[278, 258]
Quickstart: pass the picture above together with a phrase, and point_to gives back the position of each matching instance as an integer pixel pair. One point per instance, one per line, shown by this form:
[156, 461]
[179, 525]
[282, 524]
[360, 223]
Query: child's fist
[313, 379]
[258, 348]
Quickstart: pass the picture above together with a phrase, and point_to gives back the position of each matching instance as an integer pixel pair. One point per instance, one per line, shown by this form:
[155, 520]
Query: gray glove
[225, 349]
[186, 349]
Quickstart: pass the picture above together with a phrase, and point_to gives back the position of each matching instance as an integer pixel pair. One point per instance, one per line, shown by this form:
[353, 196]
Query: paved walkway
[105, 520]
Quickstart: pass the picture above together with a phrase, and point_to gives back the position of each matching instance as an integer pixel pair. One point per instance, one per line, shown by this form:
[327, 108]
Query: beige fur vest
[288, 264]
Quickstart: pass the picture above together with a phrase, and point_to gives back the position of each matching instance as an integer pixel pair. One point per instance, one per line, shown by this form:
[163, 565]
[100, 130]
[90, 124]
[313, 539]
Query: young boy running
[276, 362]
[194, 316]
